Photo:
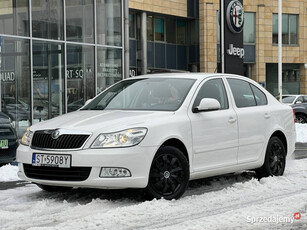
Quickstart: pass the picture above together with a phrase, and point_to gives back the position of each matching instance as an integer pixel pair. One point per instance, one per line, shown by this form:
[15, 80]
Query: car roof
[183, 75]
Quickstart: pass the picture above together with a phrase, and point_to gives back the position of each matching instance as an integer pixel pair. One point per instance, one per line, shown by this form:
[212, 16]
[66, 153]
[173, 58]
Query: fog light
[115, 172]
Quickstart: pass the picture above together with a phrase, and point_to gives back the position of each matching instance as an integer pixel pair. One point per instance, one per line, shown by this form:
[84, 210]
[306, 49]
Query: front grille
[55, 173]
[4, 132]
[44, 140]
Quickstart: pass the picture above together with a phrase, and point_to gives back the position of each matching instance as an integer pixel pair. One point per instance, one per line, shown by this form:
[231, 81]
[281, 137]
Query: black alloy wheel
[275, 159]
[169, 174]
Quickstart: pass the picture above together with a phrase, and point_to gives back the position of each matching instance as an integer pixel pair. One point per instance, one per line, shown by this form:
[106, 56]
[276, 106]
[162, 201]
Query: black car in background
[8, 140]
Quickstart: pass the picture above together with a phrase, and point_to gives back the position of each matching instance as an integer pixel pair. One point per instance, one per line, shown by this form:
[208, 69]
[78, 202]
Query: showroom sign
[233, 52]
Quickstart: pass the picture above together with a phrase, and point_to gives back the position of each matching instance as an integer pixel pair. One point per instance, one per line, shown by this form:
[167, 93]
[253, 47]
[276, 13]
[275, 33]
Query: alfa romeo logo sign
[235, 16]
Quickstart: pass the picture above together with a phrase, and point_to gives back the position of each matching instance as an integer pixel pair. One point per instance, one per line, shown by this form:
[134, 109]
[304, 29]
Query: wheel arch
[176, 143]
[282, 137]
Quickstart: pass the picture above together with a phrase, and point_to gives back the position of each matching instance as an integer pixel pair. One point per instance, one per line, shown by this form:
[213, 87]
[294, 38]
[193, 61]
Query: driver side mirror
[207, 104]
[298, 102]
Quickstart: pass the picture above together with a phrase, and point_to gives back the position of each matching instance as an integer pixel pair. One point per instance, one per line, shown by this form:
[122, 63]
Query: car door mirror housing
[298, 102]
[207, 104]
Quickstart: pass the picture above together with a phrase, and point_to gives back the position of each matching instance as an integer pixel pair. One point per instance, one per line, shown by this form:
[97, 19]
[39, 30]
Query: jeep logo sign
[235, 51]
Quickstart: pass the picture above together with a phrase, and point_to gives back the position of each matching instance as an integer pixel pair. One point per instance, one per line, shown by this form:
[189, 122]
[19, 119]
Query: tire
[275, 159]
[301, 118]
[49, 188]
[169, 174]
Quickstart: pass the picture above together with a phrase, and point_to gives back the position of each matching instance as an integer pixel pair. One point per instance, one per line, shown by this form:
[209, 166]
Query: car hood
[101, 121]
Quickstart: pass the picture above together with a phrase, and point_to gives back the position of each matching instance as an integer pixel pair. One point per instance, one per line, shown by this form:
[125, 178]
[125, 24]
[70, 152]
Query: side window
[213, 89]
[305, 99]
[259, 95]
[299, 99]
[242, 93]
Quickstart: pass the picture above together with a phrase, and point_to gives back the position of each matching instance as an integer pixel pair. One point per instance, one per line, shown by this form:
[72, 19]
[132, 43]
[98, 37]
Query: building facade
[202, 47]
[56, 54]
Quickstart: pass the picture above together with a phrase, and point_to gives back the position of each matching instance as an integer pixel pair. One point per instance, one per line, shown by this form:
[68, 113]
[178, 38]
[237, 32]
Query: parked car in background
[293, 99]
[158, 132]
[299, 105]
[8, 140]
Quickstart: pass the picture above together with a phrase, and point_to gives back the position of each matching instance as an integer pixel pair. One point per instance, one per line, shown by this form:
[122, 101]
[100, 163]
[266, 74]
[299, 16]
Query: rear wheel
[50, 188]
[301, 118]
[169, 174]
[275, 159]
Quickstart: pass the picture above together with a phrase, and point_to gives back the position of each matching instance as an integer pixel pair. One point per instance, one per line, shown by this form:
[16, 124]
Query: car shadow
[196, 187]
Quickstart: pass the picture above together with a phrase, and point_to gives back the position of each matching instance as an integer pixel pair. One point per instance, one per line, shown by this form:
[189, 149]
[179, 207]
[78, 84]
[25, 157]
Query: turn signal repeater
[115, 172]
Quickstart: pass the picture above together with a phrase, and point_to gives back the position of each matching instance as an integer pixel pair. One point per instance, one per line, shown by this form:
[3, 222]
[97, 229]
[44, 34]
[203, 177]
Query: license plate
[4, 144]
[61, 161]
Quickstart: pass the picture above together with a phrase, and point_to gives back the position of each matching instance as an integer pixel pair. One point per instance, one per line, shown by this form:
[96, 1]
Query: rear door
[254, 118]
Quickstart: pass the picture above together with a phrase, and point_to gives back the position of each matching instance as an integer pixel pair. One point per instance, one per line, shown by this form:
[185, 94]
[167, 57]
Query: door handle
[232, 120]
[267, 115]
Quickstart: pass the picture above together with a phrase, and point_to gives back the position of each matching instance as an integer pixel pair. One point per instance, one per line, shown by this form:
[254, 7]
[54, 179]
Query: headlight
[26, 139]
[12, 123]
[125, 138]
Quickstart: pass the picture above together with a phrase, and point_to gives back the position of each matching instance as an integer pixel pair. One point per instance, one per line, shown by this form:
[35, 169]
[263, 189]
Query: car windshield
[288, 99]
[159, 94]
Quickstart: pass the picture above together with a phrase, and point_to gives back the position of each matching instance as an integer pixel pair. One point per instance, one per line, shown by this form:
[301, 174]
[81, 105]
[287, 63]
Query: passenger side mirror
[298, 102]
[207, 104]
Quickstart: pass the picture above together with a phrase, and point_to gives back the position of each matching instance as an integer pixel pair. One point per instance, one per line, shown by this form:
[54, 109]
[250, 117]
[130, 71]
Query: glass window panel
[47, 19]
[80, 20]
[80, 76]
[159, 29]
[15, 82]
[48, 80]
[289, 29]
[285, 29]
[109, 69]
[181, 31]
[131, 26]
[170, 33]
[150, 28]
[259, 96]
[109, 25]
[14, 18]
[293, 29]
[213, 89]
[242, 93]
[275, 29]
[249, 28]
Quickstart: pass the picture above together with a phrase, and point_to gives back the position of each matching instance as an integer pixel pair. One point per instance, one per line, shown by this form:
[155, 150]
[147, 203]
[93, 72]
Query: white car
[158, 132]
[293, 99]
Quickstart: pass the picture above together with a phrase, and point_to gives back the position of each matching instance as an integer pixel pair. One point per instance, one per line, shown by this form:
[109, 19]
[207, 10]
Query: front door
[214, 133]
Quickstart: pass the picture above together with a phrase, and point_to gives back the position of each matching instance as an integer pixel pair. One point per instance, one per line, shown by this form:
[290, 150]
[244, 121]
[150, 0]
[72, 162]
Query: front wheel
[275, 159]
[169, 174]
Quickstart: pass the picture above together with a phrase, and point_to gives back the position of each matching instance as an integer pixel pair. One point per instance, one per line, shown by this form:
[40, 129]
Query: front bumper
[137, 159]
